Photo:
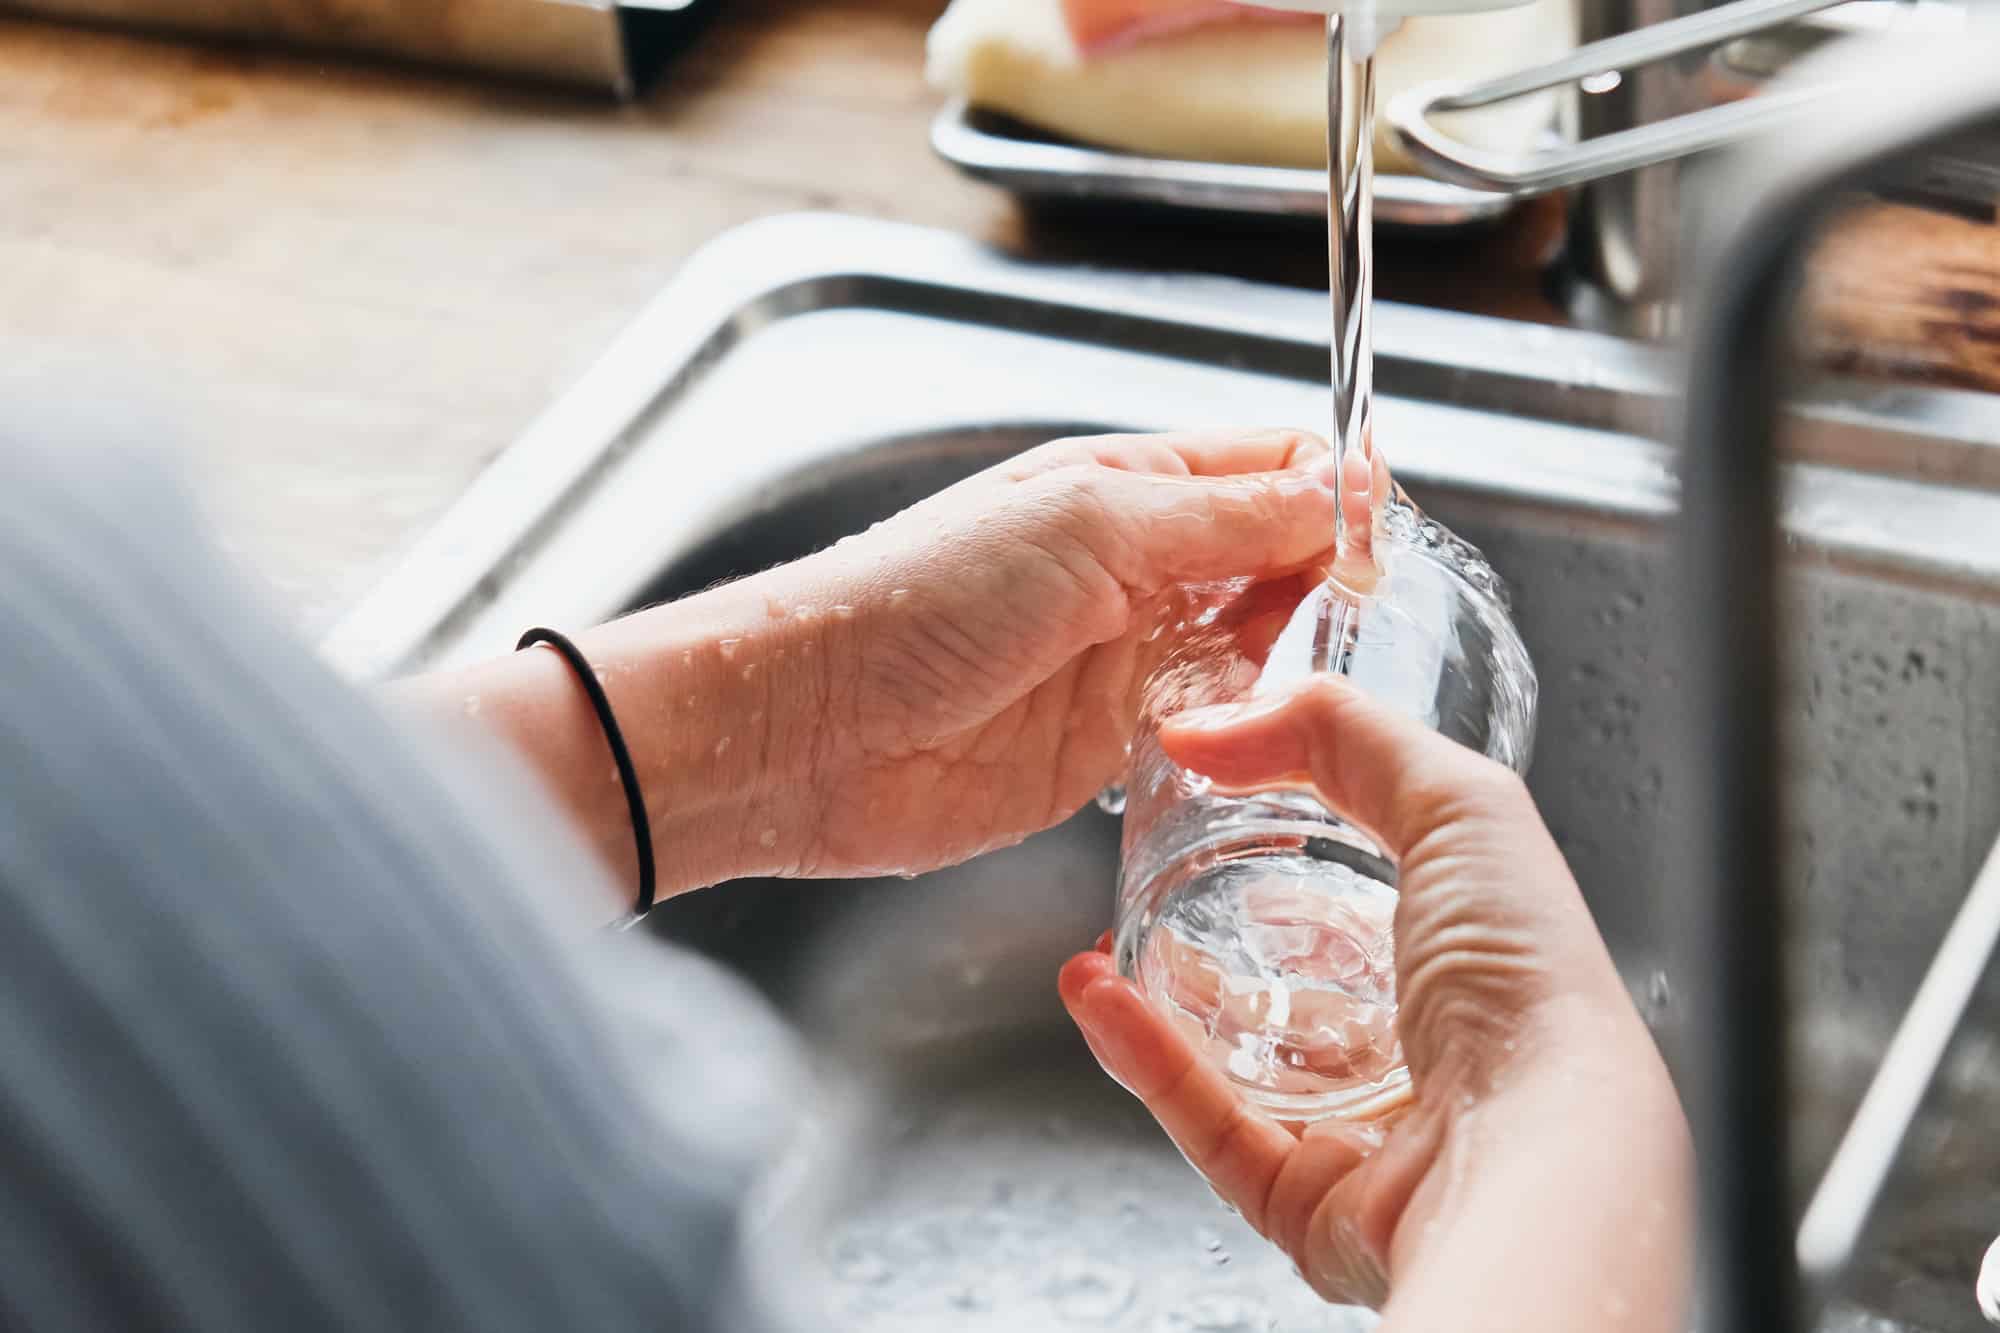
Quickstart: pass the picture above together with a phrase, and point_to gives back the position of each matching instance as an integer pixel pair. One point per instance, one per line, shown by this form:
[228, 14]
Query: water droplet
[749, 671]
[843, 611]
[1111, 800]
[1089, 1292]
[687, 659]
[768, 838]
[1657, 1003]
[728, 647]
[898, 594]
[722, 745]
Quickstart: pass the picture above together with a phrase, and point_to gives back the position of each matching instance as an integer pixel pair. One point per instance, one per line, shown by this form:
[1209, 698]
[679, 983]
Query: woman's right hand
[1539, 1178]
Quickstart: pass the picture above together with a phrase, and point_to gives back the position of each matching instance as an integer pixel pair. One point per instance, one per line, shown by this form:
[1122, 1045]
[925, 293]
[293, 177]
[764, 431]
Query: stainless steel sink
[807, 376]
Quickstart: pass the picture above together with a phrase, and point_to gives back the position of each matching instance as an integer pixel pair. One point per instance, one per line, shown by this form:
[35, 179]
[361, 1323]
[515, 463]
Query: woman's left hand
[986, 682]
[950, 681]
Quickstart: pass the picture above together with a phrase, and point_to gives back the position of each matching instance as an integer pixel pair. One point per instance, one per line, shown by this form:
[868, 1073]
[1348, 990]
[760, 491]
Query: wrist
[1578, 1126]
[718, 698]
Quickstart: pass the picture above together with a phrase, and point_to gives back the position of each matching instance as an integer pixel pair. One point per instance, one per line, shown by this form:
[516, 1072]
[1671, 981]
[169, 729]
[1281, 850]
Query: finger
[1206, 453]
[1149, 531]
[1238, 1149]
[1393, 776]
[1328, 1153]
[1075, 977]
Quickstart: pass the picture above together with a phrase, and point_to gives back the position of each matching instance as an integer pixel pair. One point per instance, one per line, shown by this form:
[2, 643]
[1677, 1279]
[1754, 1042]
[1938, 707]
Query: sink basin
[808, 376]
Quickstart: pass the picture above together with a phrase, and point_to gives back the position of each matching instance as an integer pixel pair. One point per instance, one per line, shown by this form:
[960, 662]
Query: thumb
[1391, 775]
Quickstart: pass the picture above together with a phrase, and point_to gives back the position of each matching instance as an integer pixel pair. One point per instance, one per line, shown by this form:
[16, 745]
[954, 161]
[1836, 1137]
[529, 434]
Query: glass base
[1272, 949]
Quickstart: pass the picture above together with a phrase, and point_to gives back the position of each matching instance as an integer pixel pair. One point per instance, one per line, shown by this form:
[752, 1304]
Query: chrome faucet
[1754, 220]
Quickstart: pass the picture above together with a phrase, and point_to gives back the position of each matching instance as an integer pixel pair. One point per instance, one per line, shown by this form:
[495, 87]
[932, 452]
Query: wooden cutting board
[1908, 294]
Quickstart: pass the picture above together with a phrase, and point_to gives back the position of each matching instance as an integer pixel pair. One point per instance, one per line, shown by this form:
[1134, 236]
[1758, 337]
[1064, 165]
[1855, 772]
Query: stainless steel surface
[1764, 206]
[806, 376]
[1015, 157]
[1655, 94]
[580, 42]
[1831, 1231]
[1641, 145]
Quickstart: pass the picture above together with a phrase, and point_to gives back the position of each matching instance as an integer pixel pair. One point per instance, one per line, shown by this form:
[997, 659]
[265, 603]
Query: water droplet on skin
[728, 647]
[768, 838]
[898, 594]
[749, 671]
[843, 612]
[690, 701]
[722, 745]
[687, 659]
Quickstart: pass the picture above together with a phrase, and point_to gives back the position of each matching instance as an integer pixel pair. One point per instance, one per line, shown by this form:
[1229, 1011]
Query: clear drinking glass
[1264, 925]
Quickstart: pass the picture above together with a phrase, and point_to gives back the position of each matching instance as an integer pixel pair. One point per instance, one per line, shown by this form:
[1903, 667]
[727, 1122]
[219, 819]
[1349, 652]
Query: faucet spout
[1760, 208]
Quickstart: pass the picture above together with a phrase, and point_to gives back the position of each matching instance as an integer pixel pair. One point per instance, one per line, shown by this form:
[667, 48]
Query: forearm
[1561, 1203]
[717, 698]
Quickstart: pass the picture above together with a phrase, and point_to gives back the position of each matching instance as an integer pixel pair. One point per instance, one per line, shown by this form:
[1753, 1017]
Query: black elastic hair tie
[642, 827]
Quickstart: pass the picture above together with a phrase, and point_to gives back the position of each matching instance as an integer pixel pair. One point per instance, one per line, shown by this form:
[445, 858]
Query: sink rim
[765, 272]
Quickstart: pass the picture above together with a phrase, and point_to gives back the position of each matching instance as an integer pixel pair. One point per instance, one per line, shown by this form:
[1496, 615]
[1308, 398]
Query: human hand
[983, 650]
[1538, 1178]
[956, 678]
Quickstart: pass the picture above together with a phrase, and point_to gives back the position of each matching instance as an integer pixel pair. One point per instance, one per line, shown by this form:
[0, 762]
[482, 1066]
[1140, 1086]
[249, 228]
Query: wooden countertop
[350, 286]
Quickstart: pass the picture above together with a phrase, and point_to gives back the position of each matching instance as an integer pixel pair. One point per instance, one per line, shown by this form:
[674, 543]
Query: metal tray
[1032, 163]
[804, 377]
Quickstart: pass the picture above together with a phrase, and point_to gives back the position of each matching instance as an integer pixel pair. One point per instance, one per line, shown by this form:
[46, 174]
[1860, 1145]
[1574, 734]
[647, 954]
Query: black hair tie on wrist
[642, 827]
